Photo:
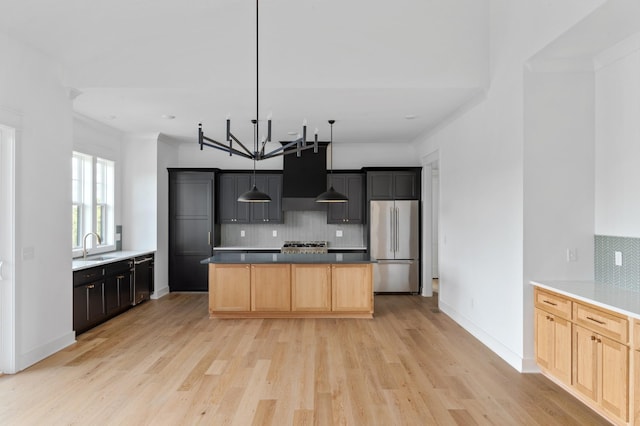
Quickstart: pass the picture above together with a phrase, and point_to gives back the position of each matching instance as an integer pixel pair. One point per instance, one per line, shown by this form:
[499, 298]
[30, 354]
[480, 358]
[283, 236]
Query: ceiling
[366, 64]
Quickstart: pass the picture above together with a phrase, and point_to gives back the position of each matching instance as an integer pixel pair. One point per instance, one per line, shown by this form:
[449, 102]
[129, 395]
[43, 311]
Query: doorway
[430, 225]
[7, 249]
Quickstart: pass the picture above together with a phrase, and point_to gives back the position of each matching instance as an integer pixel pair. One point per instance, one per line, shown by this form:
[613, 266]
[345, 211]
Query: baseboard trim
[41, 352]
[489, 341]
[160, 292]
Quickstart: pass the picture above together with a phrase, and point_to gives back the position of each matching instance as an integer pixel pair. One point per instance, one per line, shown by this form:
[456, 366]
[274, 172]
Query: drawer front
[603, 322]
[84, 276]
[636, 335]
[553, 303]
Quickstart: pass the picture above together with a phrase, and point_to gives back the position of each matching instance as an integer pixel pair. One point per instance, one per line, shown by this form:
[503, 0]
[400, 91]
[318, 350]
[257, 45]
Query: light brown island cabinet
[553, 335]
[270, 288]
[351, 288]
[229, 288]
[290, 290]
[635, 381]
[310, 288]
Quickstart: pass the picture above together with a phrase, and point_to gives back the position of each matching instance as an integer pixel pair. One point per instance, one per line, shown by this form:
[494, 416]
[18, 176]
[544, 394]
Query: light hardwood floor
[166, 362]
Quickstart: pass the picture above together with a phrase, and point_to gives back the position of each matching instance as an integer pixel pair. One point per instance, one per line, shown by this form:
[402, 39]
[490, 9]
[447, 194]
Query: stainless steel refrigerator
[394, 239]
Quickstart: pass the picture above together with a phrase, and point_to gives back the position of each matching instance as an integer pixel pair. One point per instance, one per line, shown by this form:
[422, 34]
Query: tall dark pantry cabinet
[193, 231]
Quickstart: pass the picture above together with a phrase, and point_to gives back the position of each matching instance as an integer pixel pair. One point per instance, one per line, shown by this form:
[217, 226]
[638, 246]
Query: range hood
[304, 178]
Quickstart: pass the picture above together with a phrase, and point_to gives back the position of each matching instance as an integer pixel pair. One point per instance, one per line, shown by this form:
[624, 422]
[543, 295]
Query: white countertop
[625, 302]
[105, 258]
[234, 248]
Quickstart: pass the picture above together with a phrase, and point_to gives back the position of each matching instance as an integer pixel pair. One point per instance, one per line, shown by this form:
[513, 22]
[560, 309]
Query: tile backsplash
[297, 226]
[626, 275]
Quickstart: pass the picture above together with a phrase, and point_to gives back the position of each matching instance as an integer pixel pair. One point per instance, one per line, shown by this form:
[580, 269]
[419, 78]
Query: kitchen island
[275, 285]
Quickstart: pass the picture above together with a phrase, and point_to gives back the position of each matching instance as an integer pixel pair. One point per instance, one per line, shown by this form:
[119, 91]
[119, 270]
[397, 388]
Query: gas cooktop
[305, 247]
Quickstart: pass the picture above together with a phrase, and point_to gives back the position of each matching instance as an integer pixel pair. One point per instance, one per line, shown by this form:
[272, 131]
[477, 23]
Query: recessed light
[410, 116]
[292, 133]
[111, 117]
[168, 116]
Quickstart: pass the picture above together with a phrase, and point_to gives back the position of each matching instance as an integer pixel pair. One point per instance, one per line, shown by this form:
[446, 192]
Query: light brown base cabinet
[290, 290]
[586, 350]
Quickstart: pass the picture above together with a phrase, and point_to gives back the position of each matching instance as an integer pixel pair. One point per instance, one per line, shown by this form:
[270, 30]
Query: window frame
[88, 205]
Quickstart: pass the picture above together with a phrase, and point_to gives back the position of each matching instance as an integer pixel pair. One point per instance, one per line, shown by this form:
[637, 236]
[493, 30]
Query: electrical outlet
[242, 233]
[572, 255]
[339, 233]
[274, 233]
[617, 258]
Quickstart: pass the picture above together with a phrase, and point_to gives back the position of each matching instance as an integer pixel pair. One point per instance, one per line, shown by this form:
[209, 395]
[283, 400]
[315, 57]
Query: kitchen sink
[98, 258]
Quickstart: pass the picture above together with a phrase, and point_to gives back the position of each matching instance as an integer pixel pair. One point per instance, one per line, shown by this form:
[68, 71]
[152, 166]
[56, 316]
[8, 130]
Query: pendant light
[254, 195]
[331, 195]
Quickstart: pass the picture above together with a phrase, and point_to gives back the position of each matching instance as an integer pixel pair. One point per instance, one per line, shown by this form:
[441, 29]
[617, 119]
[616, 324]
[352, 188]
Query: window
[92, 207]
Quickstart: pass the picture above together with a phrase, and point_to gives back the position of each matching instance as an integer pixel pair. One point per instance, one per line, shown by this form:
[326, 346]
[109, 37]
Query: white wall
[140, 192]
[30, 86]
[617, 199]
[559, 169]
[481, 182]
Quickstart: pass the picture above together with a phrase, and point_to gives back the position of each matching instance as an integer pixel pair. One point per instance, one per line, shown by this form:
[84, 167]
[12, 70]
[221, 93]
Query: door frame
[10, 124]
[428, 161]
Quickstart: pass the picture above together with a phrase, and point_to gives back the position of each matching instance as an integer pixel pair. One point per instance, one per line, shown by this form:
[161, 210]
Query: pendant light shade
[254, 196]
[331, 195]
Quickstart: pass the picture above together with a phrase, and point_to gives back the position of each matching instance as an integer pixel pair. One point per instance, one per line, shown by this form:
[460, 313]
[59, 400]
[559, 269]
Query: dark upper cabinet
[271, 184]
[393, 184]
[232, 185]
[351, 185]
[192, 229]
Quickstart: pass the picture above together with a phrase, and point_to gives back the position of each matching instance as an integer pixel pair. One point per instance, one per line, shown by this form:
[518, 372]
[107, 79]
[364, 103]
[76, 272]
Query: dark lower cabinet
[125, 289]
[96, 302]
[101, 293]
[192, 229]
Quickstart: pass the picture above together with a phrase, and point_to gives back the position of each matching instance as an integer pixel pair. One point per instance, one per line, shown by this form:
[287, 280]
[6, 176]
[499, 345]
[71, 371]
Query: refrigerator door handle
[391, 229]
[397, 229]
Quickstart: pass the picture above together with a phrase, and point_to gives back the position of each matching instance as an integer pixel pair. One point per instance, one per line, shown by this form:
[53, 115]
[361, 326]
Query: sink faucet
[84, 243]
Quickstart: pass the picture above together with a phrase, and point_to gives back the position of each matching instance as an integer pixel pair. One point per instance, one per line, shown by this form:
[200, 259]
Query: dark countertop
[267, 258]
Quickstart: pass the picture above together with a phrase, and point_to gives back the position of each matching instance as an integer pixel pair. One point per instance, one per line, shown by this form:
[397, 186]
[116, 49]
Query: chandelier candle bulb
[269, 129]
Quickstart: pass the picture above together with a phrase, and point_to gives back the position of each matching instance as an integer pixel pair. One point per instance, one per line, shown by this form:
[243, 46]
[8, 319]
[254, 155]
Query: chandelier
[259, 151]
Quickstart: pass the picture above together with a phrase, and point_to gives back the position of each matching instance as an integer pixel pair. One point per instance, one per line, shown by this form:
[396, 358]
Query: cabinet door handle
[596, 321]
[549, 303]
[209, 238]
[599, 341]
[1, 264]
[593, 337]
